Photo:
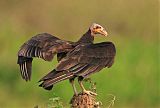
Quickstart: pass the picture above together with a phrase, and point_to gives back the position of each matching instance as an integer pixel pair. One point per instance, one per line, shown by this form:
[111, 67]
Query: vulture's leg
[73, 85]
[83, 89]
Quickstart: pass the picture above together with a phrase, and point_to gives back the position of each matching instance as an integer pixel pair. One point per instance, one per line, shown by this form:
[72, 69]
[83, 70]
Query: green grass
[132, 26]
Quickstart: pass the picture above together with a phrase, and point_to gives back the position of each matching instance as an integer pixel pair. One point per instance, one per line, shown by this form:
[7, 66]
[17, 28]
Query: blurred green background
[132, 25]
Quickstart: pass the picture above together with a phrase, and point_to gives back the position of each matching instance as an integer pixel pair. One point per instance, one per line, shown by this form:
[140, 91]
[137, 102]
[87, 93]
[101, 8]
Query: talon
[90, 93]
[83, 89]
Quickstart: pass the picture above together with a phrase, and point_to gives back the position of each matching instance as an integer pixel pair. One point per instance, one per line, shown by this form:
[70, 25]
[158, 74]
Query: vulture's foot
[89, 92]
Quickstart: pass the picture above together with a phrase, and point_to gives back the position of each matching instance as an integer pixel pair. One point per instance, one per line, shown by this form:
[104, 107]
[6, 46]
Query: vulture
[75, 59]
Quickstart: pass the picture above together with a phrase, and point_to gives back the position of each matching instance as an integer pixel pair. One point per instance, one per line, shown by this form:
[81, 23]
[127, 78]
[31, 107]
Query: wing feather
[83, 60]
[43, 46]
[87, 59]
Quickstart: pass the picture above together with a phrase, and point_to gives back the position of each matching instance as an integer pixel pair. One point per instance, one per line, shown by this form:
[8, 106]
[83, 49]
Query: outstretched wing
[87, 59]
[43, 46]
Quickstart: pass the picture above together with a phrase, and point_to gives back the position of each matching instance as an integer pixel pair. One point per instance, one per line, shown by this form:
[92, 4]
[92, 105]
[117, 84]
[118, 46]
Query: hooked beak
[103, 32]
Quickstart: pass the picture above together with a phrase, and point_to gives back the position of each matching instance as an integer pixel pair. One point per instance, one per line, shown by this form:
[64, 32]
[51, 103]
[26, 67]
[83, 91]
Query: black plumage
[75, 59]
[43, 46]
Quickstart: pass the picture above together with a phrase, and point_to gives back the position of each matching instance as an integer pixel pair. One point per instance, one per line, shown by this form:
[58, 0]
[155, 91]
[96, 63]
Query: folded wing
[87, 59]
[83, 60]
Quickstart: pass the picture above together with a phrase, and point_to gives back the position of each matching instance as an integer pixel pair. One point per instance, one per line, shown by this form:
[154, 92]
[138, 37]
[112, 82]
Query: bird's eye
[97, 27]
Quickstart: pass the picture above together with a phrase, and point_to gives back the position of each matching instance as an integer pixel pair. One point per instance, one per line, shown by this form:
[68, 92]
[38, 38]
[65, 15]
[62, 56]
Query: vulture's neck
[86, 38]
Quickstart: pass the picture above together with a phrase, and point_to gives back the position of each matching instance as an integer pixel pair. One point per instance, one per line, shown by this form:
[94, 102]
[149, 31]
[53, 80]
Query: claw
[89, 92]
[84, 90]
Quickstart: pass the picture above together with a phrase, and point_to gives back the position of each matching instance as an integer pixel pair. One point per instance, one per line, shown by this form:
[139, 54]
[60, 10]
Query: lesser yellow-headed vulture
[75, 59]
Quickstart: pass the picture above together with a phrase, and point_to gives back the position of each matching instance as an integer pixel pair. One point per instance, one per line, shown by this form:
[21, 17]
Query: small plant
[92, 87]
[55, 103]
[111, 100]
[82, 100]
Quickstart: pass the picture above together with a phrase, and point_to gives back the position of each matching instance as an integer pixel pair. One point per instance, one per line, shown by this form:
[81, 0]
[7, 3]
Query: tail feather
[54, 77]
[47, 88]
[25, 64]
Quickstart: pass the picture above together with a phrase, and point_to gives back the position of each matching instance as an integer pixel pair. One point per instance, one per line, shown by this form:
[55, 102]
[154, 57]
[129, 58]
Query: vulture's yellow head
[98, 29]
